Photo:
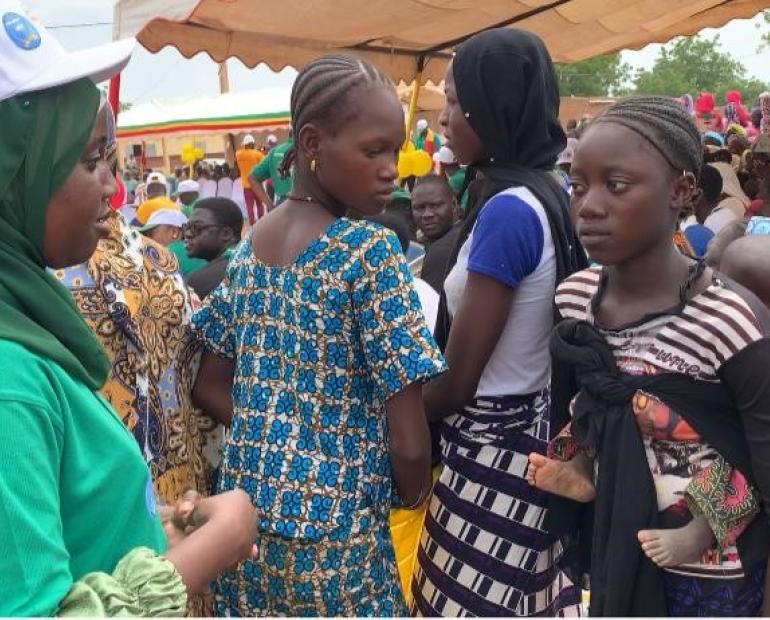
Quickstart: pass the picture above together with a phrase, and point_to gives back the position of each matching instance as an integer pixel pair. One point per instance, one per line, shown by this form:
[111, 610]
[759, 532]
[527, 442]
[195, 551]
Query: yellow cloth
[405, 530]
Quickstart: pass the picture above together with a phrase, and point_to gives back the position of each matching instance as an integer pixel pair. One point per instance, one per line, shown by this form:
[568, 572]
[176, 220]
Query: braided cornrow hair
[663, 124]
[320, 92]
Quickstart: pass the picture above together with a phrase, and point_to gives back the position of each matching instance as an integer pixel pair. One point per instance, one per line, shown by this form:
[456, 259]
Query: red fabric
[252, 201]
[734, 96]
[704, 103]
[113, 95]
[113, 98]
[119, 198]
[755, 207]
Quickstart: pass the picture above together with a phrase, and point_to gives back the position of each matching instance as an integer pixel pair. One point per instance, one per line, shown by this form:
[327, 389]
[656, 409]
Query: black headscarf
[507, 88]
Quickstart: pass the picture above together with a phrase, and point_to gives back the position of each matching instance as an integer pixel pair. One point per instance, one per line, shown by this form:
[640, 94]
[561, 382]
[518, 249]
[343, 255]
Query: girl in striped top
[661, 316]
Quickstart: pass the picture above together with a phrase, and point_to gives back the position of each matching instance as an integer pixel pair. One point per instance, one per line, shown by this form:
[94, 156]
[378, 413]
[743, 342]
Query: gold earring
[312, 165]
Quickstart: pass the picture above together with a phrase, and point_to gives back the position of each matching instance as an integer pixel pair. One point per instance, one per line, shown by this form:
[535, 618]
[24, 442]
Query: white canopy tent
[261, 110]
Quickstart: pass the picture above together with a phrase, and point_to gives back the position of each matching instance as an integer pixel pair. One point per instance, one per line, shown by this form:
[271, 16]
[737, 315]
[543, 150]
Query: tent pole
[166, 156]
[224, 78]
[416, 83]
[224, 87]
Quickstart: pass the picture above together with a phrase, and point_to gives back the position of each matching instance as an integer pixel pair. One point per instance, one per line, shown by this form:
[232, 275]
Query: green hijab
[42, 138]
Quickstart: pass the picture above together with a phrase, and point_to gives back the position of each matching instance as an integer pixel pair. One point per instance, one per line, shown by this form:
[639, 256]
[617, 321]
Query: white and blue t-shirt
[511, 242]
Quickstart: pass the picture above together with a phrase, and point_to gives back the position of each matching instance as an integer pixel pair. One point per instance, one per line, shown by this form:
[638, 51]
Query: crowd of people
[549, 355]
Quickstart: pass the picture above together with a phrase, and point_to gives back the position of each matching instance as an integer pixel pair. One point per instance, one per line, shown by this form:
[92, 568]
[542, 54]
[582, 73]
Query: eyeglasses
[193, 230]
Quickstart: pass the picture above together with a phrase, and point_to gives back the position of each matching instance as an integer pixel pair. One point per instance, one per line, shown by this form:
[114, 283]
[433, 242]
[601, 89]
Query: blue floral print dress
[319, 346]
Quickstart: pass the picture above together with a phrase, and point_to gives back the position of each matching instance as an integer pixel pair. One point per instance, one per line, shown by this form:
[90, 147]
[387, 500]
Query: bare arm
[409, 441]
[717, 246]
[213, 387]
[476, 329]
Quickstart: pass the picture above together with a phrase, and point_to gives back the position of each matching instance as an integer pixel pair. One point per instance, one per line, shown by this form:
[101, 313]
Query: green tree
[695, 64]
[765, 42]
[595, 77]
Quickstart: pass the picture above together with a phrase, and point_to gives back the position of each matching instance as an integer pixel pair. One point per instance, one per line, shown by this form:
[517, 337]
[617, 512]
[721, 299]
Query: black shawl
[507, 88]
[624, 582]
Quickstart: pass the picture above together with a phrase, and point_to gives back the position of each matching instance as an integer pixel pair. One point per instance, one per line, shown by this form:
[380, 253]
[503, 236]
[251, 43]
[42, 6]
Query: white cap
[33, 60]
[157, 177]
[271, 139]
[444, 156]
[188, 185]
[165, 217]
[422, 125]
[249, 139]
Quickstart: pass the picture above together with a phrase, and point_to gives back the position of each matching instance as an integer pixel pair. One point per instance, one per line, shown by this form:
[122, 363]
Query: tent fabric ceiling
[396, 33]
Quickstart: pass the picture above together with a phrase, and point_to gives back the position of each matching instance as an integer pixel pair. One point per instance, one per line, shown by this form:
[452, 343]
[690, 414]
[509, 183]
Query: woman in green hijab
[81, 533]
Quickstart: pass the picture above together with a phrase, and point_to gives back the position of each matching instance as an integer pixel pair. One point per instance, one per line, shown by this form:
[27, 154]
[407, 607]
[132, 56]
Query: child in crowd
[666, 361]
[320, 333]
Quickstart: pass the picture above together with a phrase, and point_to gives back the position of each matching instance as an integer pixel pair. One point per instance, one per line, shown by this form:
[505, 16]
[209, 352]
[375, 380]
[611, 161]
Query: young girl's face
[625, 196]
[356, 163]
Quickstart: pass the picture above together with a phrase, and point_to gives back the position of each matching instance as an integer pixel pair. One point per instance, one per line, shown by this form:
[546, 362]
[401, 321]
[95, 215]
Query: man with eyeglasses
[213, 229]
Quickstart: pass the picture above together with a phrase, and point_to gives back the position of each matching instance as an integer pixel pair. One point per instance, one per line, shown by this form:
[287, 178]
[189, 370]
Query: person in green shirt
[188, 193]
[82, 534]
[213, 231]
[187, 264]
[426, 139]
[450, 168]
[270, 168]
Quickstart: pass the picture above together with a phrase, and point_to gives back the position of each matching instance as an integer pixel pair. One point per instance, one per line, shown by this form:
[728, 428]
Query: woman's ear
[309, 141]
[684, 191]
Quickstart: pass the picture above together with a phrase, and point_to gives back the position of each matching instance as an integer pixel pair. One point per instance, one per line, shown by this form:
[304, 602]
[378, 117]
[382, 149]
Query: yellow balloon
[199, 154]
[423, 163]
[405, 164]
[409, 147]
[188, 154]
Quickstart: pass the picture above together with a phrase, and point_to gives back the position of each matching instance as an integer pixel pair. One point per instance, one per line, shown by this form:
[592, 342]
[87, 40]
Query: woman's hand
[209, 535]
[176, 520]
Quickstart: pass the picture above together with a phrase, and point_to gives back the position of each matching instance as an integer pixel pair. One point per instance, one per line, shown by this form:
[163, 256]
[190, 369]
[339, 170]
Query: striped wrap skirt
[483, 551]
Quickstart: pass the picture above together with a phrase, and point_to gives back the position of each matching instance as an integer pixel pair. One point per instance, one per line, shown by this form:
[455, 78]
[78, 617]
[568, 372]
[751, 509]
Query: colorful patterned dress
[709, 331]
[132, 296]
[319, 345]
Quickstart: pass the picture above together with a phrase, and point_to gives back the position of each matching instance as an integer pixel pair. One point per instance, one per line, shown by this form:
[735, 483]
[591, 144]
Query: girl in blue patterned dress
[316, 352]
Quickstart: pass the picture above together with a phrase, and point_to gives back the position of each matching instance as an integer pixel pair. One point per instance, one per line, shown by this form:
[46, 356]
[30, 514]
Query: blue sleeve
[398, 348]
[507, 241]
[213, 324]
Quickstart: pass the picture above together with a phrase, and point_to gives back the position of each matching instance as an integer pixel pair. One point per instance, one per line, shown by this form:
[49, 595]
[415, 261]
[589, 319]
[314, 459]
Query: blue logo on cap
[21, 31]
